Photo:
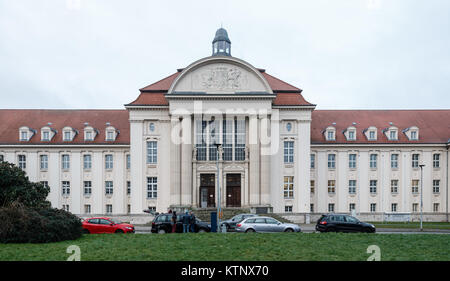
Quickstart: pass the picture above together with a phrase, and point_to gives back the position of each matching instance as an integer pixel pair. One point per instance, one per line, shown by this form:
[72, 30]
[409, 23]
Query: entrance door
[207, 191]
[233, 190]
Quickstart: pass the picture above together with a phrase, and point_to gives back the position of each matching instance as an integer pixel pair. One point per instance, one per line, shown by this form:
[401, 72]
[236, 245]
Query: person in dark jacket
[192, 222]
[186, 219]
[174, 221]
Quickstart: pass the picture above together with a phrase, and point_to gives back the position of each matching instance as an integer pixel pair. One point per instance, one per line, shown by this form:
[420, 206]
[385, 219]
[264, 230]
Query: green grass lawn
[412, 225]
[238, 247]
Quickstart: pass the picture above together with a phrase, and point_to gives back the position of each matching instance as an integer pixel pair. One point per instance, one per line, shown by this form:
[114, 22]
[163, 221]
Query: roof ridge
[159, 81]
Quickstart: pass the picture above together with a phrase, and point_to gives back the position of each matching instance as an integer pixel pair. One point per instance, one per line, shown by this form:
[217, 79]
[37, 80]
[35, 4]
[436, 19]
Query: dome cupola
[221, 45]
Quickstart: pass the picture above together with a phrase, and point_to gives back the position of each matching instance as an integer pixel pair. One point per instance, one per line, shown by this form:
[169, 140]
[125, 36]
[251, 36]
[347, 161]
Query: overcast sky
[347, 54]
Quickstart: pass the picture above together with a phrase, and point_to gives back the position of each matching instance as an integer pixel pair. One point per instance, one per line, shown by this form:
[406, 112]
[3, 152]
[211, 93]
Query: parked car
[231, 223]
[105, 225]
[265, 224]
[343, 223]
[162, 224]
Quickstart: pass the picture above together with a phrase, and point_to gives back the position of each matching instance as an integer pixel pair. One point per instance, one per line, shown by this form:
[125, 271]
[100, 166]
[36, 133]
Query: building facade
[221, 122]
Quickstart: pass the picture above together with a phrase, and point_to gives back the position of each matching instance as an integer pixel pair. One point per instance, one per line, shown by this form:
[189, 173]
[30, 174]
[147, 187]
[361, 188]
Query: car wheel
[161, 231]
[85, 231]
[201, 230]
[289, 230]
[331, 229]
[119, 231]
[249, 230]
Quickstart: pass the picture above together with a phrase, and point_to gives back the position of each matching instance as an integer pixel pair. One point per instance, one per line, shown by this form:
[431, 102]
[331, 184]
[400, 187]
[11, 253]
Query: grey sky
[344, 54]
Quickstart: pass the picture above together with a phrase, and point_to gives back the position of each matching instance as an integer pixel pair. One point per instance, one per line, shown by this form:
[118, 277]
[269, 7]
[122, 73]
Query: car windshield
[352, 219]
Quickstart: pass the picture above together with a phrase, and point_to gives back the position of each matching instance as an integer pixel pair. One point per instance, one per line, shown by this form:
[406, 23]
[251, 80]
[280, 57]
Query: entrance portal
[207, 191]
[233, 190]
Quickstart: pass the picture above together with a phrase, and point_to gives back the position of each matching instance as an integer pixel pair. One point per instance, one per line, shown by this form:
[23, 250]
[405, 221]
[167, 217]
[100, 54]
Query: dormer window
[350, 133]
[372, 135]
[111, 133]
[89, 133]
[412, 133]
[330, 133]
[26, 133]
[46, 136]
[69, 134]
[391, 133]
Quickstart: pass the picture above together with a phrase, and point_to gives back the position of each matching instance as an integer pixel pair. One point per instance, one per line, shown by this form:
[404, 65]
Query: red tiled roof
[286, 94]
[434, 125]
[12, 119]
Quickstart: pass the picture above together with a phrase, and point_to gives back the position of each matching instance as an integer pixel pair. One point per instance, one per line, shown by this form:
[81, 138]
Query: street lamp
[218, 146]
[421, 196]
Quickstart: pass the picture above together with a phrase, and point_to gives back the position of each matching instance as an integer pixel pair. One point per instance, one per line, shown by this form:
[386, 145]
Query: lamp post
[421, 196]
[218, 146]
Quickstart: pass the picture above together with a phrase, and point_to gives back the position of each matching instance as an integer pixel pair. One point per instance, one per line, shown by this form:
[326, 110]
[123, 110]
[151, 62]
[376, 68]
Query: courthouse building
[222, 121]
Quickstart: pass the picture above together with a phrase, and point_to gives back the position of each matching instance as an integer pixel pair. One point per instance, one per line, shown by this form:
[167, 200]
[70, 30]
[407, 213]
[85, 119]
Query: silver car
[265, 224]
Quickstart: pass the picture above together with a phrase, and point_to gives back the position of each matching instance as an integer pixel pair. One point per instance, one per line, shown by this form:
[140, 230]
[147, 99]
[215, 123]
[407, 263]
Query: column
[138, 164]
[254, 152]
[265, 126]
[303, 166]
[76, 183]
[175, 164]
[186, 161]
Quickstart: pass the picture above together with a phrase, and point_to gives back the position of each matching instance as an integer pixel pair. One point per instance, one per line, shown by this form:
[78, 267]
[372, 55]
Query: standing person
[174, 221]
[186, 219]
[192, 222]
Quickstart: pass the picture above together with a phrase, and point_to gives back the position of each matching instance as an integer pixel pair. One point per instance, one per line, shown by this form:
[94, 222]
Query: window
[67, 136]
[352, 186]
[330, 135]
[129, 208]
[128, 187]
[351, 135]
[436, 160]
[331, 186]
[87, 188]
[394, 161]
[435, 207]
[108, 161]
[45, 183]
[331, 161]
[228, 140]
[44, 162]
[415, 207]
[87, 209]
[351, 207]
[373, 207]
[394, 186]
[289, 126]
[331, 208]
[200, 142]
[373, 161]
[23, 136]
[313, 161]
[288, 209]
[152, 127]
[110, 135]
[152, 187]
[1, 158]
[311, 208]
[45, 135]
[109, 209]
[394, 207]
[239, 153]
[392, 135]
[415, 161]
[372, 135]
[22, 162]
[87, 161]
[373, 186]
[288, 152]
[128, 161]
[65, 207]
[88, 136]
[312, 185]
[109, 188]
[436, 186]
[65, 188]
[152, 152]
[288, 187]
[413, 135]
[65, 162]
[415, 186]
[352, 161]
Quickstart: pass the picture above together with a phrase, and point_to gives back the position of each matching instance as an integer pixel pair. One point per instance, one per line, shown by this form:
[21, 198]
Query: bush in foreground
[20, 224]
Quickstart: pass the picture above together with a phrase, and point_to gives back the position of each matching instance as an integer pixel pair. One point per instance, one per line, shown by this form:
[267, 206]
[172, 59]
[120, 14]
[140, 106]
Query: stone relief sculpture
[222, 78]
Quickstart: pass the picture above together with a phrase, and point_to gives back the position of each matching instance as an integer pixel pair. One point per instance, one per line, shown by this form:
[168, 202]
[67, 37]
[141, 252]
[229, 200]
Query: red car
[106, 225]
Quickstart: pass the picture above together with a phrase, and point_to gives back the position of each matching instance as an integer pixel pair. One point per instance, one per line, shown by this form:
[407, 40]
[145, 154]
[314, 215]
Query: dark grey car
[231, 223]
[265, 224]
